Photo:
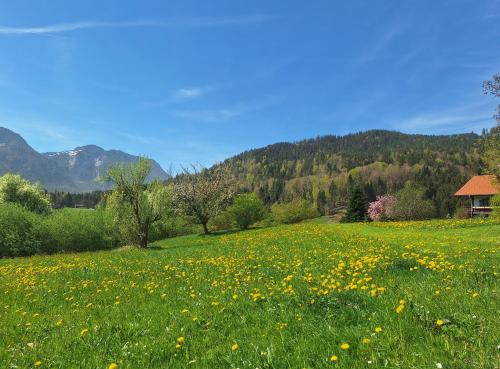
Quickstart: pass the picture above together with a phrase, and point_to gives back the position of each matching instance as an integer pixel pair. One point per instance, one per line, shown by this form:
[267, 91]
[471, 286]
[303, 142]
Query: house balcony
[478, 210]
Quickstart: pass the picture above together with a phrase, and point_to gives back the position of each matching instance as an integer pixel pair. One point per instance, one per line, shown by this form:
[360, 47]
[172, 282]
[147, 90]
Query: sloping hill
[381, 161]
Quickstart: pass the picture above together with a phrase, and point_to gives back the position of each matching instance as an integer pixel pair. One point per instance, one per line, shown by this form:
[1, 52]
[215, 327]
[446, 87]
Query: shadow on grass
[229, 231]
[158, 246]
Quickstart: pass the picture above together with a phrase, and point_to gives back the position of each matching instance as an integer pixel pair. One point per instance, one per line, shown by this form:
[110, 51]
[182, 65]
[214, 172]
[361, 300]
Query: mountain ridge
[71, 170]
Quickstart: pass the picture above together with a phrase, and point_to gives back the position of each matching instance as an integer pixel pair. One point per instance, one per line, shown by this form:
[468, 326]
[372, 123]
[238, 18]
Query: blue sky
[198, 81]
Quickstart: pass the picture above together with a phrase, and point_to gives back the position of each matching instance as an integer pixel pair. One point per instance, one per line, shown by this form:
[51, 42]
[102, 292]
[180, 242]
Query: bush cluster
[25, 233]
[495, 203]
[248, 209]
[293, 212]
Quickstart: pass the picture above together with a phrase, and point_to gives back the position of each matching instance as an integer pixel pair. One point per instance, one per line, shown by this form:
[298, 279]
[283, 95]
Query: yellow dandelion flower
[234, 347]
[378, 329]
[38, 363]
[59, 322]
[113, 366]
[365, 340]
[334, 358]
[439, 322]
[181, 340]
[84, 331]
[345, 346]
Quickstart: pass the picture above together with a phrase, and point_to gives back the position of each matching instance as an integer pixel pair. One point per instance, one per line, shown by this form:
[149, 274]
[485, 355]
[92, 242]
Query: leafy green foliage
[293, 212]
[495, 203]
[19, 230]
[491, 150]
[221, 222]
[247, 209]
[411, 204]
[25, 233]
[72, 230]
[15, 189]
[137, 205]
[173, 226]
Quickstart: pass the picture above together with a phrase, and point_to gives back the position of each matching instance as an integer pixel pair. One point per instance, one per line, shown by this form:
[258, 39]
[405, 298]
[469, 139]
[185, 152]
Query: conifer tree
[357, 207]
[321, 202]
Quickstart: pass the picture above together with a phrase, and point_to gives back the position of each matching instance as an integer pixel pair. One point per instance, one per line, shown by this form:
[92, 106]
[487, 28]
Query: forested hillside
[324, 169]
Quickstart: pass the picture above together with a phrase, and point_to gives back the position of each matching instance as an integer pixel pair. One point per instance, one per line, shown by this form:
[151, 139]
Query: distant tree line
[88, 200]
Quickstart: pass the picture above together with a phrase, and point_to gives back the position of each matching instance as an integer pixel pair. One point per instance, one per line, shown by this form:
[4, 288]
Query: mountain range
[74, 171]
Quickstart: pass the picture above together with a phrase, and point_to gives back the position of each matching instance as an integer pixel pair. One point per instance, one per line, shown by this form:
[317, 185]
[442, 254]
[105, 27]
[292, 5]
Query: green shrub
[173, 226]
[247, 209]
[221, 222]
[293, 212]
[461, 212]
[18, 231]
[15, 189]
[77, 230]
[495, 203]
[411, 204]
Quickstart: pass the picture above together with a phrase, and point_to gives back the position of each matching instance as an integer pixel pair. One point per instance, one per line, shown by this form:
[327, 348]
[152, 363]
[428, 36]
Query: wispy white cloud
[179, 22]
[379, 44]
[465, 119]
[141, 139]
[212, 115]
[441, 121]
[226, 113]
[179, 95]
[189, 93]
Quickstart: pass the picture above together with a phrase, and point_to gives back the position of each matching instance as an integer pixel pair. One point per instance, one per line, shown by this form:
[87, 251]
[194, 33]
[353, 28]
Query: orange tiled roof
[479, 185]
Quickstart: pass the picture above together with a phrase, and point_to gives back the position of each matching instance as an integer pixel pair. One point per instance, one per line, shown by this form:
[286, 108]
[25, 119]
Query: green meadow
[311, 295]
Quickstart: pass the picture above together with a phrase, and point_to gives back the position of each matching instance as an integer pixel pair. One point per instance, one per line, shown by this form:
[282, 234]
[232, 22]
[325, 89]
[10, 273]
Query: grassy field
[395, 295]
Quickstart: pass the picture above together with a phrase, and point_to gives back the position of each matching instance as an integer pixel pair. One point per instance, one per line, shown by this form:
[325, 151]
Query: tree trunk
[143, 240]
[205, 228]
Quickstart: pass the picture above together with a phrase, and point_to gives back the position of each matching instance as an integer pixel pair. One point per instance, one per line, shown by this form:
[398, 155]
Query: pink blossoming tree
[381, 208]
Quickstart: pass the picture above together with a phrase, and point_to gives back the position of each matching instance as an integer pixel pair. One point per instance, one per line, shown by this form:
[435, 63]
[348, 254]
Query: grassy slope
[287, 296]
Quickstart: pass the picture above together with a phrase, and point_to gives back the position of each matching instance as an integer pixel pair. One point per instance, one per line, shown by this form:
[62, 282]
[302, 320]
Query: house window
[484, 202]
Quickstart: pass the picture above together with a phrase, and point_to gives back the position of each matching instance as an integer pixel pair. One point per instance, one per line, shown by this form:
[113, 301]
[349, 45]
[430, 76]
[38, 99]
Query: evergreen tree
[263, 193]
[357, 208]
[333, 190]
[276, 189]
[321, 202]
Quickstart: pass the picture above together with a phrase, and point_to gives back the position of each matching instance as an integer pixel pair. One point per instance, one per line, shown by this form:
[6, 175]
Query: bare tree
[137, 204]
[203, 193]
[492, 87]
[491, 142]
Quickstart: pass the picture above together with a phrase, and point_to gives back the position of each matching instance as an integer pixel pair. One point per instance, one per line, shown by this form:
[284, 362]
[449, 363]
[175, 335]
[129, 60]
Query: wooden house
[478, 191]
